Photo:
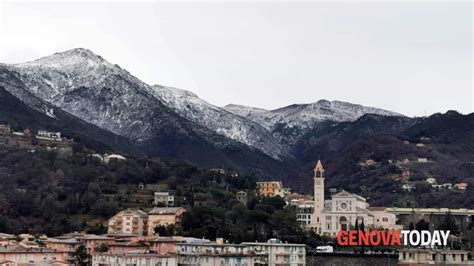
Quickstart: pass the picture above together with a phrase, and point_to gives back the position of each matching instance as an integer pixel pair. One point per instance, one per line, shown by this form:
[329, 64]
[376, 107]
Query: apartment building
[272, 189]
[280, 254]
[128, 222]
[132, 258]
[163, 216]
[210, 254]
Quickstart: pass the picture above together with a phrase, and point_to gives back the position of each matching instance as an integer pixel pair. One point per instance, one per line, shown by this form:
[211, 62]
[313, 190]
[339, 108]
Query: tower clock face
[343, 205]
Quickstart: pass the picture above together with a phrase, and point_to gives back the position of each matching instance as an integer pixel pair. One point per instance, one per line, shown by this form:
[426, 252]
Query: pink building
[68, 246]
[126, 247]
[17, 255]
[163, 245]
[93, 241]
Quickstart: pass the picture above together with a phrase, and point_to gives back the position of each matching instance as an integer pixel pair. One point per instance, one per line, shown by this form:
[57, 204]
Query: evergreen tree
[449, 223]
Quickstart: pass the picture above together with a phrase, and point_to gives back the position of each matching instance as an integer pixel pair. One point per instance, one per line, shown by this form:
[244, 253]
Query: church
[343, 210]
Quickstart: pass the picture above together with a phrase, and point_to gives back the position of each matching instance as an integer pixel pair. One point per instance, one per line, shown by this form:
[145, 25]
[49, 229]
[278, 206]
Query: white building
[117, 157]
[46, 135]
[304, 213]
[242, 197]
[210, 254]
[132, 258]
[281, 253]
[425, 256]
[343, 209]
[163, 198]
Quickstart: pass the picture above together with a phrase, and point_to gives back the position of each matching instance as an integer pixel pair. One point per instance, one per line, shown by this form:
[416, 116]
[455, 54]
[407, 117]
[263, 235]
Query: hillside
[20, 116]
[59, 191]
[445, 140]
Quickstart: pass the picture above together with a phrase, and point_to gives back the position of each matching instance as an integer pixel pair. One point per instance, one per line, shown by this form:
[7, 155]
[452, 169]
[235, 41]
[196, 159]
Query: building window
[385, 219]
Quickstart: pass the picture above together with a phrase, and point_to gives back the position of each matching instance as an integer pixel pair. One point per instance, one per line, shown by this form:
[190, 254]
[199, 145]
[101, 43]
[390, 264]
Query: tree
[165, 230]
[362, 229]
[102, 248]
[81, 256]
[448, 223]
[422, 225]
[276, 202]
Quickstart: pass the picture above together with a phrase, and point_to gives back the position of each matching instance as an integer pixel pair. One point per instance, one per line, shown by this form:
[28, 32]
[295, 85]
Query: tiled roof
[164, 210]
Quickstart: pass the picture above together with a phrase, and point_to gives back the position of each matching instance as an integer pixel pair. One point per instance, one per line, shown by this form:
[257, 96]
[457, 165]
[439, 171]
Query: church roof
[319, 166]
[344, 193]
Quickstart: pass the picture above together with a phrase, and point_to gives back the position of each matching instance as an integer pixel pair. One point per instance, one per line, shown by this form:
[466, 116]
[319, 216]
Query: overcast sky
[413, 58]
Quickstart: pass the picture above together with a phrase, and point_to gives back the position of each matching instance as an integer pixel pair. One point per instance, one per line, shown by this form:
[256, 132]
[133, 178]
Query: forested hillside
[62, 190]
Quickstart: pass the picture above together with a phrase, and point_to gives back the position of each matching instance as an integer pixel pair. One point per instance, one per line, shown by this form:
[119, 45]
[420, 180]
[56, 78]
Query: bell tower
[318, 196]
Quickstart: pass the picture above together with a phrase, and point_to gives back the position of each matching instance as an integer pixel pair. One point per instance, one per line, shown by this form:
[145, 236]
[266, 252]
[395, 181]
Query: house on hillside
[443, 186]
[109, 157]
[242, 197]
[408, 187]
[461, 186]
[49, 136]
[5, 130]
[272, 189]
[163, 198]
[422, 160]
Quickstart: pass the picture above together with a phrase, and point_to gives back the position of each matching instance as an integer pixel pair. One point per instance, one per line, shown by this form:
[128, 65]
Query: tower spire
[319, 166]
[319, 170]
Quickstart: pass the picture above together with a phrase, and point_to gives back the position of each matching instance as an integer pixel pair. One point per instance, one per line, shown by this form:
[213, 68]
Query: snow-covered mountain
[103, 94]
[290, 122]
[164, 120]
[85, 85]
[189, 105]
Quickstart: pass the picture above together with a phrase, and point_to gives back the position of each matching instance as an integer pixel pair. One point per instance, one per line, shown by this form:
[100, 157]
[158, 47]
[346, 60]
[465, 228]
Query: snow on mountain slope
[290, 122]
[189, 105]
[245, 111]
[305, 115]
[87, 86]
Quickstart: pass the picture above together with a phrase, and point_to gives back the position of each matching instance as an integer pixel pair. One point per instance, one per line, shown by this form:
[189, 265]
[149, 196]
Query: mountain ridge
[177, 124]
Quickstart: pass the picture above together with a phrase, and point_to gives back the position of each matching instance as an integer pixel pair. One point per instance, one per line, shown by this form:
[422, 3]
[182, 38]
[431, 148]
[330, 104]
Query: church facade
[343, 210]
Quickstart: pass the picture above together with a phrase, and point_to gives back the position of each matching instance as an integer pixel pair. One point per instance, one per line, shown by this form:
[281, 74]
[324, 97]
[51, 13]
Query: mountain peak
[72, 57]
[82, 52]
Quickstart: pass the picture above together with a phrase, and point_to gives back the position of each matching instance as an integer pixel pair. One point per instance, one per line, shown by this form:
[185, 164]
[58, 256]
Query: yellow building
[271, 189]
[163, 216]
